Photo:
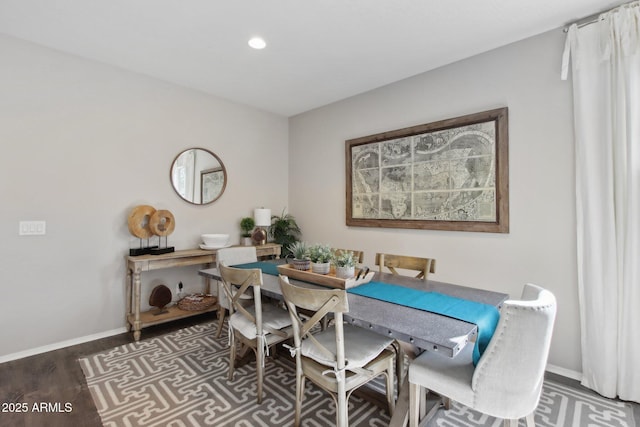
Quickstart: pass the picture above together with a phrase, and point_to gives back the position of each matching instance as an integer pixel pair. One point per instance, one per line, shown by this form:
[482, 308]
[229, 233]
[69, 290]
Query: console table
[136, 320]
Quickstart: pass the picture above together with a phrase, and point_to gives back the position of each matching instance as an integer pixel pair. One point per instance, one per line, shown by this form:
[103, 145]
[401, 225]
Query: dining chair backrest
[423, 266]
[508, 377]
[319, 302]
[358, 255]
[237, 281]
[237, 255]
[231, 256]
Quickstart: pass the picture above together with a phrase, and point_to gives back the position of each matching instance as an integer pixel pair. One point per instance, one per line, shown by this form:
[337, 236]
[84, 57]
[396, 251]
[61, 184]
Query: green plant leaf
[285, 231]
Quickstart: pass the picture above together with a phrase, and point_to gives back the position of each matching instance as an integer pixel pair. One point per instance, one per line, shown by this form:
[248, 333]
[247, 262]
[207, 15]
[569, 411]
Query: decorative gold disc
[162, 223]
[139, 219]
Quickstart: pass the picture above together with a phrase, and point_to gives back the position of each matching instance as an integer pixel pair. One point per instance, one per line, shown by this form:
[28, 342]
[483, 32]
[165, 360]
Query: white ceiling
[318, 52]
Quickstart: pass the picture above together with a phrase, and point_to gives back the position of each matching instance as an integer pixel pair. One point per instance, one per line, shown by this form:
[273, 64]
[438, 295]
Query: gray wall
[540, 248]
[82, 144]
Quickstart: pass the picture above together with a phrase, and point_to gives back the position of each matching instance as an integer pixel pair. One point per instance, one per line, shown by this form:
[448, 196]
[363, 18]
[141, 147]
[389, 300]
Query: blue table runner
[484, 316]
[266, 267]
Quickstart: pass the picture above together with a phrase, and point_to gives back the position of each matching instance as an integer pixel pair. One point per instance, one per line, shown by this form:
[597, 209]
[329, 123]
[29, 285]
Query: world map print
[447, 175]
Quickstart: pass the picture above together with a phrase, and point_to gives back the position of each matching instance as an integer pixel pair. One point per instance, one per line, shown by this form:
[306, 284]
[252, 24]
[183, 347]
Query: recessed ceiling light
[257, 43]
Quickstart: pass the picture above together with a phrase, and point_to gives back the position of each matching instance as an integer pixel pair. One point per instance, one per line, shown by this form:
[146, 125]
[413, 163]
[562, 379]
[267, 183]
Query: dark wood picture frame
[451, 175]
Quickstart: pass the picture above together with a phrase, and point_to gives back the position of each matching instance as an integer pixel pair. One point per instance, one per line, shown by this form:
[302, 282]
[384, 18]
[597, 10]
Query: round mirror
[198, 176]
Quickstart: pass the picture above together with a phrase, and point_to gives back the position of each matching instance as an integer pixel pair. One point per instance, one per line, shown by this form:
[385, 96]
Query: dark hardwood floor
[54, 382]
[52, 386]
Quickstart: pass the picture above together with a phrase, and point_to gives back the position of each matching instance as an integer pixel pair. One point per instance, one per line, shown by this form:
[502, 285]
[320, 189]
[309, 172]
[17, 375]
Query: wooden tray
[329, 280]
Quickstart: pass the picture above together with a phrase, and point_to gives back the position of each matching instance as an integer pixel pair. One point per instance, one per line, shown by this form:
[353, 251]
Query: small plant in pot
[320, 256]
[247, 224]
[345, 263]
[300, 252]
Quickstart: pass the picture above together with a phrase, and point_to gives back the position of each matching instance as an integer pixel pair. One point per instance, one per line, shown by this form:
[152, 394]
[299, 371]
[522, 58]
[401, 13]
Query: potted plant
[247, 224]
[320, 256]
[300, 252]
[284, 230]
[345, 263]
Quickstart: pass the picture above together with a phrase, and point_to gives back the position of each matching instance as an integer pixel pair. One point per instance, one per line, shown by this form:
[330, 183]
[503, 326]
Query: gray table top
[429, 331]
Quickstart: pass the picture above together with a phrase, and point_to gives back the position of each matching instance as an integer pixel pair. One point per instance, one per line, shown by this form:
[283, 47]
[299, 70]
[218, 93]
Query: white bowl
[215, 240]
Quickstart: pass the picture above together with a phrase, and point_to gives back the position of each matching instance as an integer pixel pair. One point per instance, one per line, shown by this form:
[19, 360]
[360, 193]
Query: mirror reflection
[198, 176]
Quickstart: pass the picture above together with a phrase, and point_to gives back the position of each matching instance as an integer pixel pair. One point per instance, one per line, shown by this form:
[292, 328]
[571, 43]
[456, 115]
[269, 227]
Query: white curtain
[605, 65]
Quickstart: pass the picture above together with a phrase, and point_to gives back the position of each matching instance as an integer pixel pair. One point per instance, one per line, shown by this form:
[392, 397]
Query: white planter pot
[246, 241]
[321, 268]
[345, 272]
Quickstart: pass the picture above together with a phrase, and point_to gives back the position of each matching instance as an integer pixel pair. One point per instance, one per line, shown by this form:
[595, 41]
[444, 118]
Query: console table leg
[129, 293]
[136, 305]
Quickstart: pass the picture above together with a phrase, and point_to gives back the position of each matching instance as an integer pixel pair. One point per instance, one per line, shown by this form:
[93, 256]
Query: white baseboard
[565, 372]
[59, 345]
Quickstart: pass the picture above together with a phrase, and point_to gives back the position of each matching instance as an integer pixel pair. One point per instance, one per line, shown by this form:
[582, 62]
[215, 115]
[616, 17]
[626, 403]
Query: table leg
[207, 286]
[136, 305]
[400, 416]
[401, 413]
[399, 362]
[129, 285]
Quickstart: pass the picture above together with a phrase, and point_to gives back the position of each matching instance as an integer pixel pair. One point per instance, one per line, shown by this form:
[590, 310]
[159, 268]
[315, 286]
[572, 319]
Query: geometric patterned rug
[180, 379]
[559, 406]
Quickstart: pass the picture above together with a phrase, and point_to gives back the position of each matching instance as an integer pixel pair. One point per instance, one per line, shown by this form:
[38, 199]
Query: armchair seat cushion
[448, 376]
[361, 346]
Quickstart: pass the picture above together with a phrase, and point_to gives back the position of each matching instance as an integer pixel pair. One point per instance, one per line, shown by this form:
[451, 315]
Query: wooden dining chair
[339, 359]
[232, 256]
[260, 326]
[423, 266]
[358, 255]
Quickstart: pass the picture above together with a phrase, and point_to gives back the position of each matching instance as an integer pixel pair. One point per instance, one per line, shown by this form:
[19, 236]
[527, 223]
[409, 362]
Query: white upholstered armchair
[507, 381]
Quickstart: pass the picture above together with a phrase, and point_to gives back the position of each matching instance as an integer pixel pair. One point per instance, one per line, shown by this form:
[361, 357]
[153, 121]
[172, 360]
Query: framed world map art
[447, 175]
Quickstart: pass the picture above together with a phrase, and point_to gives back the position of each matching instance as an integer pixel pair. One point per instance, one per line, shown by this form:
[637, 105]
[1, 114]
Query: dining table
[426, 330]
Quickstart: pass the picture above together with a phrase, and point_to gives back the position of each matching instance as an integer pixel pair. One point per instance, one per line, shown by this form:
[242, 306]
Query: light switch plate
[32, 228]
